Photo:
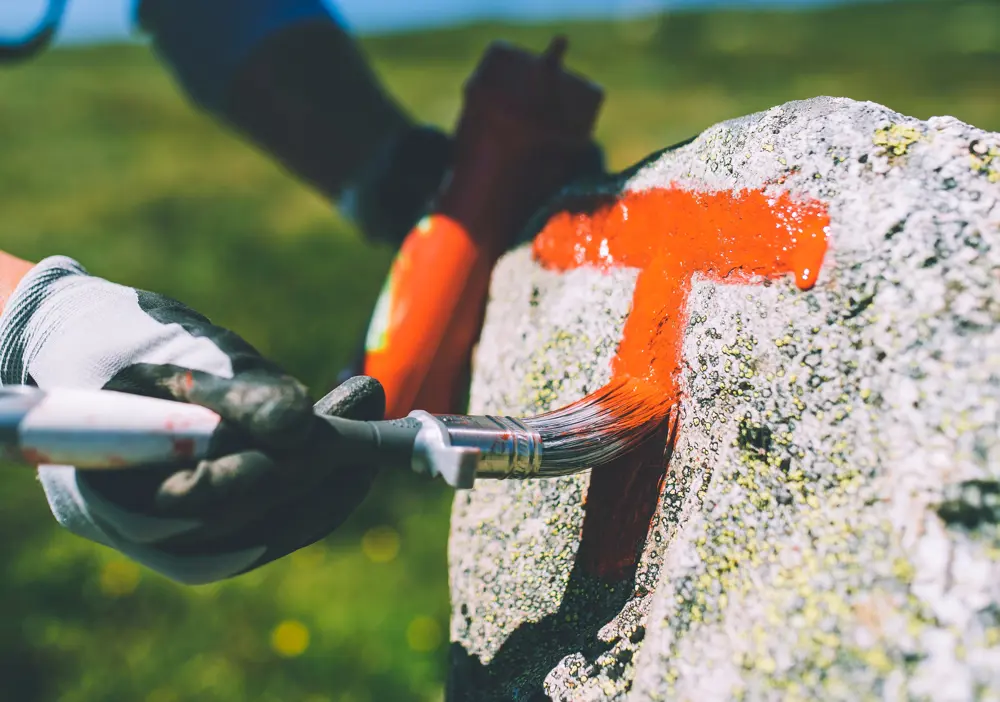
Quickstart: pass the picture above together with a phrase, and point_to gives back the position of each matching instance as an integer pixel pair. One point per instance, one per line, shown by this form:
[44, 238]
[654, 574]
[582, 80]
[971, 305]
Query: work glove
[195, 523]
[396, 188]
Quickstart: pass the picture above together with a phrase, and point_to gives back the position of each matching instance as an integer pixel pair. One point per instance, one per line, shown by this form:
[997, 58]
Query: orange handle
[426, 289]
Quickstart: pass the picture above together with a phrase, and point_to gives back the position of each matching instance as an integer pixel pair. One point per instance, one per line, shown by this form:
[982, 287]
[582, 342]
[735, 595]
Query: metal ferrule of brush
[508, 448]
[461, 449]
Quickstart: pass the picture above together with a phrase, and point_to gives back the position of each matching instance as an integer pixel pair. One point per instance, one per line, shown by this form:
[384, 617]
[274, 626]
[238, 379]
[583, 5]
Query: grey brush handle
[388, 444]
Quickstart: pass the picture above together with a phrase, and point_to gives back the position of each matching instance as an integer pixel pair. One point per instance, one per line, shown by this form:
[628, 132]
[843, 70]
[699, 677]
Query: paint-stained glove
[65, 328]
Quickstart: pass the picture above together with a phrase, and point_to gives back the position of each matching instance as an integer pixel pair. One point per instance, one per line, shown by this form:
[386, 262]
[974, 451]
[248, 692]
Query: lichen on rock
[827, 526]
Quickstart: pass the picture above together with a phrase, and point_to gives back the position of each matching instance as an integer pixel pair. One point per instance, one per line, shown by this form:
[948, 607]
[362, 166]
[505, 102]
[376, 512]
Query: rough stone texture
[828, 528]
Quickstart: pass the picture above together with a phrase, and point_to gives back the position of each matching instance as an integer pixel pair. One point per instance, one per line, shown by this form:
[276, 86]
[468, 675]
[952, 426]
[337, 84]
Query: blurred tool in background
[524, 132]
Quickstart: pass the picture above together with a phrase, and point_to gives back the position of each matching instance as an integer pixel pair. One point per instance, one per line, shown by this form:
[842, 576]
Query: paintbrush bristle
[602, 427]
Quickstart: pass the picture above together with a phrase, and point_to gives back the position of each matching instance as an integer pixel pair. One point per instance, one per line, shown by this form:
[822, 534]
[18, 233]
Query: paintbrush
[101, 429]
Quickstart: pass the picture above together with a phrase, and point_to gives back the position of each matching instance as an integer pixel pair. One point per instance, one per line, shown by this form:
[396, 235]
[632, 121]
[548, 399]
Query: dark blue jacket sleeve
[206, 41]
[289, 77]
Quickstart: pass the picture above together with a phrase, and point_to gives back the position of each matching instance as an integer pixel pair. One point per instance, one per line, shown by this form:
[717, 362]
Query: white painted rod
[100, 428]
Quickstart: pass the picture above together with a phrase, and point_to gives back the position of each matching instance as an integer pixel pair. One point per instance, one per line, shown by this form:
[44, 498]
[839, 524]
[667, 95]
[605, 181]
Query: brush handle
[101, 429]
[387, 444]
[94, 429]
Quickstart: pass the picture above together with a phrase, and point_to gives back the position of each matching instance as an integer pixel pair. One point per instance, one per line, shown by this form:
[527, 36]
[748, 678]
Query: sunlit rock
[827, 527]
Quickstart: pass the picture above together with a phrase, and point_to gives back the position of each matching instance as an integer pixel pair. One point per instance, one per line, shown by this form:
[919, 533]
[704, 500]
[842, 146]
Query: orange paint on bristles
[671, 235]
[602, 426]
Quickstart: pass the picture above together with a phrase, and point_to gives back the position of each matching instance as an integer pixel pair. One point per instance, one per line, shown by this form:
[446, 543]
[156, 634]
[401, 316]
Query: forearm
[286, 75]
[308, 97]
[12, 270]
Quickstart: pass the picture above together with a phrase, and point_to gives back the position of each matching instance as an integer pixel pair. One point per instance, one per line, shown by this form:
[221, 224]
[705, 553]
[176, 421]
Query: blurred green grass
[102, 159]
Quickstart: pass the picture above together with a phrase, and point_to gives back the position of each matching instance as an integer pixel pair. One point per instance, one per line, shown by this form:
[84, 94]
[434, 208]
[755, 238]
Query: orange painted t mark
[671, 235]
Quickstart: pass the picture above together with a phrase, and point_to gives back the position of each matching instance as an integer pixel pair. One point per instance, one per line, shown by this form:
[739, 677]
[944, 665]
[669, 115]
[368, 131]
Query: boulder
[826, 526]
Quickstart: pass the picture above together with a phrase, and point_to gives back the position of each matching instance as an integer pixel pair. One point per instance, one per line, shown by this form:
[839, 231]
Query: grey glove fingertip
[283, 413]
[361, 397]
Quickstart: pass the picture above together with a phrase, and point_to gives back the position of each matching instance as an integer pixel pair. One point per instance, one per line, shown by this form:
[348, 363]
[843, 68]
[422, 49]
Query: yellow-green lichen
[542, 384]
[815, 586]
[896, 139]
[985, 160]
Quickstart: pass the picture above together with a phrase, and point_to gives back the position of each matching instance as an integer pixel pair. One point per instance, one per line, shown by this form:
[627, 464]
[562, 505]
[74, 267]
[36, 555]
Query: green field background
[102, 159]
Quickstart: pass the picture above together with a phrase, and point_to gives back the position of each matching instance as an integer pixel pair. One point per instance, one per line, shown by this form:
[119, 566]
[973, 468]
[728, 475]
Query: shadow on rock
[519, 668]
[621, 503]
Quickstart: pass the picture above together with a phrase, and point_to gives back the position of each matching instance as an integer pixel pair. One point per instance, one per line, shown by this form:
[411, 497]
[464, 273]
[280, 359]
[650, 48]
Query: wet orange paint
[671, 235]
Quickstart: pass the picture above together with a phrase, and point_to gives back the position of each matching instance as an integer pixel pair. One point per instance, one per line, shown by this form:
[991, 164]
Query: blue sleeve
[205, 41]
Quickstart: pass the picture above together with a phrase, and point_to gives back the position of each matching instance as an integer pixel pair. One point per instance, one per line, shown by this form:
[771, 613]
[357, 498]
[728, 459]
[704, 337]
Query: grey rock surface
[828, 526]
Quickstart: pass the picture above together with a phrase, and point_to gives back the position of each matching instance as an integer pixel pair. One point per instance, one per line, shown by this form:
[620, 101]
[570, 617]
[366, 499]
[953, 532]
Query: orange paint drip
[671, 235]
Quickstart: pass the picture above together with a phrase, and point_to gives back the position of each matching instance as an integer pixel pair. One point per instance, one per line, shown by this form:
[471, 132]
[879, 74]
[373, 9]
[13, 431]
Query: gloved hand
[397, 186]
[65, 328]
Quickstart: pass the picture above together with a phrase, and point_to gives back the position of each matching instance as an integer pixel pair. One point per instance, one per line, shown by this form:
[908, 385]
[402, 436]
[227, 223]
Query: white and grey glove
[65, 328]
